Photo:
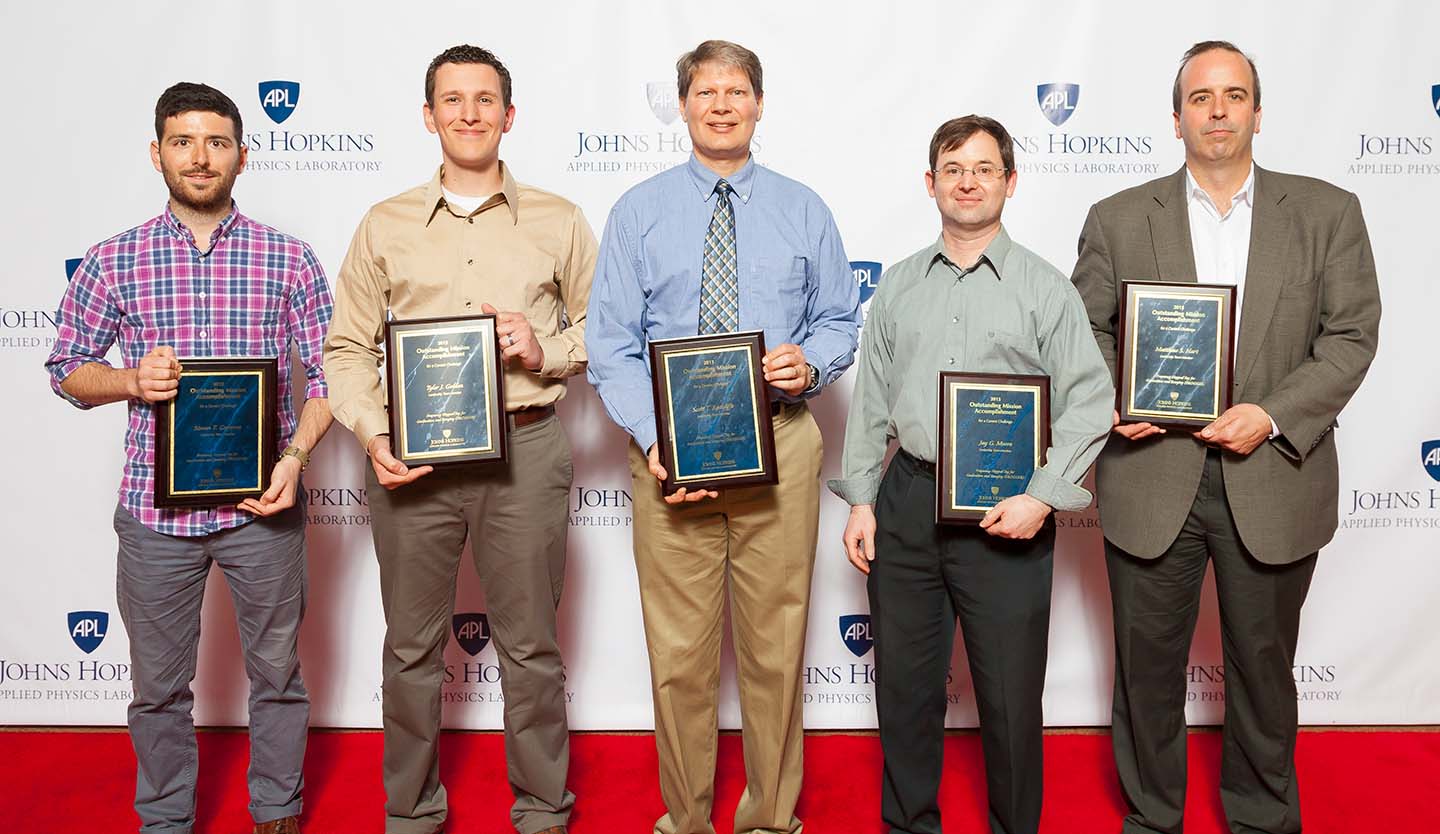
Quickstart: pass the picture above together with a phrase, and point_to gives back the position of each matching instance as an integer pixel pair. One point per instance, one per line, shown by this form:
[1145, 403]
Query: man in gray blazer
[1255, 491]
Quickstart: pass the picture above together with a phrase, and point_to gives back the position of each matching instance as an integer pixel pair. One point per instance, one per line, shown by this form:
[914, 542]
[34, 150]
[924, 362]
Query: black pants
[1156, 602]
[923, 577]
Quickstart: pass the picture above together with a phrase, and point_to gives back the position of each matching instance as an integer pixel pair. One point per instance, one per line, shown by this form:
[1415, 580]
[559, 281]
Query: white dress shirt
[1221, 240]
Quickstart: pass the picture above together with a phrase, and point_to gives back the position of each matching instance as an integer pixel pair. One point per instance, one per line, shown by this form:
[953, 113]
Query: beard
[211, 200]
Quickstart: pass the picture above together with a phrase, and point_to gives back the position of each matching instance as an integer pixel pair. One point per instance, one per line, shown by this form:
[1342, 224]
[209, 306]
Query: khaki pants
[515, 514]
[756, 547]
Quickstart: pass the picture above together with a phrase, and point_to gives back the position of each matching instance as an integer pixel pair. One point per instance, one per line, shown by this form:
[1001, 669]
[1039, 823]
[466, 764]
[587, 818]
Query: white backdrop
[853, 94]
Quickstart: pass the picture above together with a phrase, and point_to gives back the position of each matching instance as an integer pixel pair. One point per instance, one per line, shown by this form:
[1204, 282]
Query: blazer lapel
[1170, 232]
[1264, 273]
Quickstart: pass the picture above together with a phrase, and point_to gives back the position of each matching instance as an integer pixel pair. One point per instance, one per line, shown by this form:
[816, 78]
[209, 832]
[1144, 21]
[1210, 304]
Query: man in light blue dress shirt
[724, 239]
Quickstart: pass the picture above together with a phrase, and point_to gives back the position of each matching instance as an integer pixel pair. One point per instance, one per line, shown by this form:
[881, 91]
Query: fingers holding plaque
[1177, 346]
[215, 441]
[994, 430]
[712, 410]
[447, 399]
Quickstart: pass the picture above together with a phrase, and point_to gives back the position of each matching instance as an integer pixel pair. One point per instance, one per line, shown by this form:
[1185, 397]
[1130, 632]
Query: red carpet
[61, 782]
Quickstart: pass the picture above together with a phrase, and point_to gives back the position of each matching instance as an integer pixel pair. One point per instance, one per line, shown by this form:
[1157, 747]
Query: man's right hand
[388, 469]
[679, 496]
[1132, 431]
[860, 537]
[157, 377]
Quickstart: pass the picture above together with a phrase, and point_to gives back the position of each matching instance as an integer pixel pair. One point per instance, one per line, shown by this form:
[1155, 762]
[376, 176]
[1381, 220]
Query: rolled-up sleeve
[86, 326]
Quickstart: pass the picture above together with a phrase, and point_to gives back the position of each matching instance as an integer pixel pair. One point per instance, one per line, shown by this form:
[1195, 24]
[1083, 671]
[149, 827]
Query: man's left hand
[517, 338]
[1241, 429]
[1017, 517]
[786, 369]
[284, 478]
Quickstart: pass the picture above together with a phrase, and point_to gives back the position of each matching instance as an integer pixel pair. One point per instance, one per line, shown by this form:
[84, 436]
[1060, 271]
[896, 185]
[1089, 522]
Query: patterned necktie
[719, 275]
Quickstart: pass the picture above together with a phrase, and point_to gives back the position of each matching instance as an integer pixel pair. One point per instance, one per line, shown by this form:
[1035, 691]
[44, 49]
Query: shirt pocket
[780, 288]
[1009, 346]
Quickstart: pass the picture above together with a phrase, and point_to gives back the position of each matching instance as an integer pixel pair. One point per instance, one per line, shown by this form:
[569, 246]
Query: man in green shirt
[973, 301]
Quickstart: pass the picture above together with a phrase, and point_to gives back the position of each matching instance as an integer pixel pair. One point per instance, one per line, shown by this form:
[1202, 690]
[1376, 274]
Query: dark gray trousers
[1156, 602]
[160, 584]
[923, 577]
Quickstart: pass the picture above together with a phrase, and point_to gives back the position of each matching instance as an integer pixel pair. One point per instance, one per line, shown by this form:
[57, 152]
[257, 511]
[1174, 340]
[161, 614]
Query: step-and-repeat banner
[853, 93]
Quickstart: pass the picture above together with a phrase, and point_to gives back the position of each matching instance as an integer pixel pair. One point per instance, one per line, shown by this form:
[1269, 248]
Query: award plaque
[215, 441]
[712, 411]
[1175, 353]
[994, 430]
[447, 390]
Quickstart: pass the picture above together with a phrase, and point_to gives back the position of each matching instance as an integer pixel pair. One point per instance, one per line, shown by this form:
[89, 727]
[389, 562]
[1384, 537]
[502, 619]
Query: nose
[469, 111]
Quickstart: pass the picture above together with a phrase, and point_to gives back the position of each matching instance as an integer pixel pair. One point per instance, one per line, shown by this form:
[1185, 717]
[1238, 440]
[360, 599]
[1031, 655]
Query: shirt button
[952, 360]
[467, 304]
[202, 335]
[470, 261]
[470, 220]
[202, 295]
[955, 319]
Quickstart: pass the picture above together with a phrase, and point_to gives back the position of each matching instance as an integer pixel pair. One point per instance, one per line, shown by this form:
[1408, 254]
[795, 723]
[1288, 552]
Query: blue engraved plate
[715, 428]
[214, 425]
[445, 374]
[1177, 350]
[995, 435]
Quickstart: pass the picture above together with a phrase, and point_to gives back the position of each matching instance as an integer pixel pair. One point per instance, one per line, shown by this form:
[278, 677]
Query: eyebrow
[1234, 88]
[486, 92]
[226, 136]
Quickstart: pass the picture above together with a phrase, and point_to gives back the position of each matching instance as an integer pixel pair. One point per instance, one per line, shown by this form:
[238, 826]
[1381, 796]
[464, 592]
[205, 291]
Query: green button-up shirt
[1012, 312]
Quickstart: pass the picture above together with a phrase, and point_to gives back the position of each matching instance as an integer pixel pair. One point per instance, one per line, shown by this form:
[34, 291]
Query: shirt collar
[996, 253]
[1246, 194]
[509, 192]
[704, 179]
[180, 230]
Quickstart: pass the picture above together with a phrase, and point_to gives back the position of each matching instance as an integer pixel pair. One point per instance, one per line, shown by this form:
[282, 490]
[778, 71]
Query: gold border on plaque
[949, 465]
[259, 424]
[486, 347]
[755, 421]
[1220, 330]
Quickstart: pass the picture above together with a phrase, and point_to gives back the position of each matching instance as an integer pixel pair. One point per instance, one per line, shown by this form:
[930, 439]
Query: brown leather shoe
[285, 825]
[554, 829]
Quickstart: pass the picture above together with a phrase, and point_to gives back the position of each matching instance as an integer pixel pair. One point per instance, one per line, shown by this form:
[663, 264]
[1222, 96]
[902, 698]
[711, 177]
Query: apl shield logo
[87, 628]
[867, 278]
[855, 631]
[1057, 101]
[1435, 98]
[279, 99]
[71, 265]
[664, 101]
[472, 632]
[1430, 456]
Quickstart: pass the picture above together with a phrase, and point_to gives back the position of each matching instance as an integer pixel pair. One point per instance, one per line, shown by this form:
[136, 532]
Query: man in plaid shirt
[203, 281]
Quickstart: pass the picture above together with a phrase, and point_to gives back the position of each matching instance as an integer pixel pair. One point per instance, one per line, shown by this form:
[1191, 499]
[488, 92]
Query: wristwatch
[814, 378]
[299, 454]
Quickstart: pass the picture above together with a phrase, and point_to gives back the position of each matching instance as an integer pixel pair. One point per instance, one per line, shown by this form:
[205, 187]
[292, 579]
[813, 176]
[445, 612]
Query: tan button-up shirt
[523, 250]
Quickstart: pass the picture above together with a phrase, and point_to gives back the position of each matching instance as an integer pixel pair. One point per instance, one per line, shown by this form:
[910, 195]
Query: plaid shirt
[254, 293]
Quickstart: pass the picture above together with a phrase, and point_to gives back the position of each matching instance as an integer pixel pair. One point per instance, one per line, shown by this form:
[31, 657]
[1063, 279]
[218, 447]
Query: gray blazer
[1308, 331]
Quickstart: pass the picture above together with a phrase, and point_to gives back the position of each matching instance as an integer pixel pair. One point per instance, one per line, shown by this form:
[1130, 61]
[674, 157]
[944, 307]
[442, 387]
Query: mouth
[722, 127]
[199, 177]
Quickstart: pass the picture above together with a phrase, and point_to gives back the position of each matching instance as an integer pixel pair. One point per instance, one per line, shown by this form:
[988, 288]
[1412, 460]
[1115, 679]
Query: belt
[528, 416]
[777, 407]
[924, 467]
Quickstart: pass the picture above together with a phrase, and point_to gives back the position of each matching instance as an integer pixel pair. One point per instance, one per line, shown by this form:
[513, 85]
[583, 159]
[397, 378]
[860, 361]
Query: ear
[244, 156]
[1176, 117]
[1258, 114]
[509, 119]
[429, 118]
[155, 155]
[1010, 185]
[759, 107]
[930, 183]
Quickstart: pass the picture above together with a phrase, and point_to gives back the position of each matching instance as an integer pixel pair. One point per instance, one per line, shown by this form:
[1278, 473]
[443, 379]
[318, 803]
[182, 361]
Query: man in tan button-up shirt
[471, 241]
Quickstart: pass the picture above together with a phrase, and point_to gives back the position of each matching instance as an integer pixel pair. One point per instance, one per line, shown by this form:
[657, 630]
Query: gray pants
[1156, 603]
[160, 583]
[516, 517]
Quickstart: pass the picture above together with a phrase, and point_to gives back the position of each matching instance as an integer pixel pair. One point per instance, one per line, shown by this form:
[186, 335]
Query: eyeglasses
[984, 172]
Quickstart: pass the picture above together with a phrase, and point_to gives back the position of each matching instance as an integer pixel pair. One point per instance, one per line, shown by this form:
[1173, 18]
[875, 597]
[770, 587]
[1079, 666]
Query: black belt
[528, 416]
[777, 407]
[922, 466]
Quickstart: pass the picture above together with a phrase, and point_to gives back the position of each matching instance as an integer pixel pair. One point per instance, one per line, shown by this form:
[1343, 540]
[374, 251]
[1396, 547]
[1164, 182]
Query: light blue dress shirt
[795, 281]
